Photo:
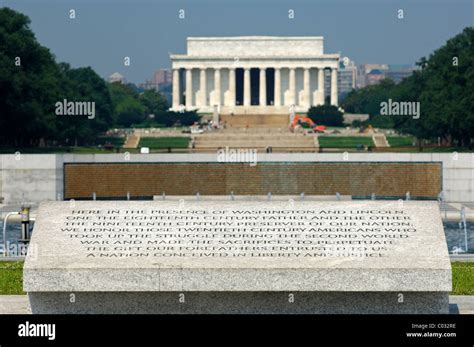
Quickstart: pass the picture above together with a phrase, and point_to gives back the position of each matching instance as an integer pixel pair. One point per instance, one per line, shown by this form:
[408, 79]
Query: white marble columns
[202, 88]
[189, 89]
[263, 87]
[320, 90]
[217, 87]
[231, 91]
[334, 87]
[292, 85]
[176, 93]
[306, 88]
[277, 94]
[247, 87]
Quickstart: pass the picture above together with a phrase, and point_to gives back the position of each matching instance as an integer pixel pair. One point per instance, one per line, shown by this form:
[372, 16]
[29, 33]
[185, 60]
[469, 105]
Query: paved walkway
[18, 304]
[463, 304]
[132, 141]
[380, 140]
[14, 304]
[462, 257]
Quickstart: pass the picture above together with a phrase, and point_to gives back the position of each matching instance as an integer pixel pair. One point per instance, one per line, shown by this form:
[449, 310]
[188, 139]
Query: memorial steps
[132, 141]
[257, 131]
[256, 120]
[241, 138]
[380, 140]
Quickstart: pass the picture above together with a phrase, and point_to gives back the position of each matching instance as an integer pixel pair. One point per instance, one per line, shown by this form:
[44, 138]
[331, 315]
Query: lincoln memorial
[253, 75]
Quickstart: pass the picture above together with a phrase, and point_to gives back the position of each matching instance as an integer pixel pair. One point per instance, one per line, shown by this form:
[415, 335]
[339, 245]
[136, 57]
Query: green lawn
[114, 140]
[344, 141]
[164, 142]
[117, 142]
[463, 278]
[400, 141]
[11, 278]
[55, 150]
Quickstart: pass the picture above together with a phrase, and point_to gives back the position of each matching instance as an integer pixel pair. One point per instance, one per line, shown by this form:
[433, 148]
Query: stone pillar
[202, 88]
[232, 86]
[217, 87]
[176, 89]
[292, 86]
[320, 94]
[189, 88]
[306, 88]
[263, 87]
[334, 87]
[247, 87]
[277, 96]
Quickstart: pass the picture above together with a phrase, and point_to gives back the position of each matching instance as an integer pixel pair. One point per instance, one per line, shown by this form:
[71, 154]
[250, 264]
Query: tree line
[444, 88]
[32, 82]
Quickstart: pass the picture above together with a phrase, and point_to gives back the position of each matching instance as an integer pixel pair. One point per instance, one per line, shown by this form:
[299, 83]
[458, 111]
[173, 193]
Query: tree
[326, 115]
[444, 88]
[29, 83]
[153, 102]
[83, 84]
[367, 100]
[128, 109]
[169, 118]
[186, 118]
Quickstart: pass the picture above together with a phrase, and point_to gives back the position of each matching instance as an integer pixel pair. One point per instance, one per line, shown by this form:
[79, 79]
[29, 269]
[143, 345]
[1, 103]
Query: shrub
[326, 115]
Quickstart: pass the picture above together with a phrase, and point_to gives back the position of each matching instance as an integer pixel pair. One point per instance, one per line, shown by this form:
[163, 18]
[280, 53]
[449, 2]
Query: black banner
[156, 330]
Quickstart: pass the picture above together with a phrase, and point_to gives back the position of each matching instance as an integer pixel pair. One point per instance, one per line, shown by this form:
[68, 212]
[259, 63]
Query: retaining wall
[37, 177]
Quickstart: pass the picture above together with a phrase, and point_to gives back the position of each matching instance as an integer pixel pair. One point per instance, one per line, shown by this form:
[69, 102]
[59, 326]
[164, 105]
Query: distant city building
[370, 74]
[162, 76]
[367, 68]
[374, 77]
[148, 85]
[116, 77]
[346, 78]
[360, 80]
[398, 72]
[160, 82]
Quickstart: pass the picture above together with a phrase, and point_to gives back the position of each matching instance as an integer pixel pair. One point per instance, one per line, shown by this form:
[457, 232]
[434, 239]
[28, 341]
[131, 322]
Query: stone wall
[30, 178]
[38, 177]
[422, 180]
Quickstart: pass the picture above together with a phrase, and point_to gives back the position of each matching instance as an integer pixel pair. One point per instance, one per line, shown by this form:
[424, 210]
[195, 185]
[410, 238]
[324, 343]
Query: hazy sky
[105, 31]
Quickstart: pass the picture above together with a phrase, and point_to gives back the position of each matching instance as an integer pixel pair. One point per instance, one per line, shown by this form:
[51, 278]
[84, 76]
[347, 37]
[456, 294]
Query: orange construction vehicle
[298, 119]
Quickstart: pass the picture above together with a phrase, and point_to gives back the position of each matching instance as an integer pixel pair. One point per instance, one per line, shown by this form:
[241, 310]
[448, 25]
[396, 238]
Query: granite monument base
[213, 257]
[240, 303]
